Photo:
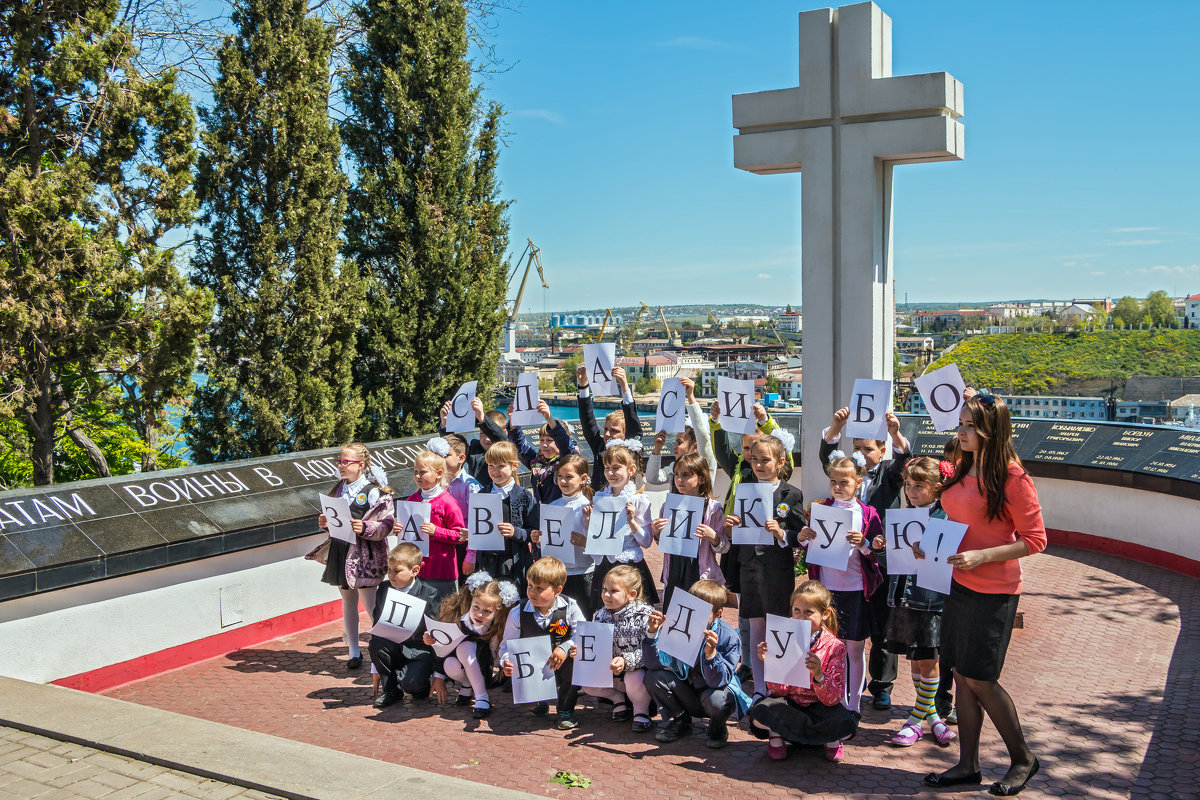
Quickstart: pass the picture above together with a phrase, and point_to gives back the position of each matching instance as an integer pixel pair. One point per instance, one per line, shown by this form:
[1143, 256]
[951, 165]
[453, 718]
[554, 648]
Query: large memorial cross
[845, 126]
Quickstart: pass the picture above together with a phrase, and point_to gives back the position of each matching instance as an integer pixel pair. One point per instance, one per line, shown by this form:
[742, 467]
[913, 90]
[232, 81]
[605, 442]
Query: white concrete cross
[845, 126]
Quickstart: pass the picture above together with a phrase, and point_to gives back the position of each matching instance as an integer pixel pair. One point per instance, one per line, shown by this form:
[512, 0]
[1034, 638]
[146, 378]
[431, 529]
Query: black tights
[974, 698]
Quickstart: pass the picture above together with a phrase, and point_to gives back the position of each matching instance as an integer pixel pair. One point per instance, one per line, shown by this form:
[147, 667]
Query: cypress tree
[95, 171]
[425, 223]
[280, 351]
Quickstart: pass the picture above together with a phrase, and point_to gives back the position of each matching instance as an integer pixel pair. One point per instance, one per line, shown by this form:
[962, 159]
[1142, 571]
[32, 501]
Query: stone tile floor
[1104, 675]
[33, 766]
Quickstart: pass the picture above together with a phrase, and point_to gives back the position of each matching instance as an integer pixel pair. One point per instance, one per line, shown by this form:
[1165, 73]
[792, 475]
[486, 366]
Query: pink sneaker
[943, 733]
[835, 752]
[907, 736]
[776, 748]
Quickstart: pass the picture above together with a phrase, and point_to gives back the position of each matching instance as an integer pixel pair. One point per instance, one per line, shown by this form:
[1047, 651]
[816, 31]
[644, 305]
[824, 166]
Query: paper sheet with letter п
[593, 655]
[337, 517]
[410, 516]
[402, 613]
[462, 417]
[787, 647]
[684, 624]
[485, 512]
[525, 401]
[532, 679]
[752, 505]
[830, 548]
[683, 514]
[445, 635]
[608, 527]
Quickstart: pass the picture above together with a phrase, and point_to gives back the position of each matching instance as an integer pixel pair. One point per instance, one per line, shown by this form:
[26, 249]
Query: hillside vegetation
[1042, 363]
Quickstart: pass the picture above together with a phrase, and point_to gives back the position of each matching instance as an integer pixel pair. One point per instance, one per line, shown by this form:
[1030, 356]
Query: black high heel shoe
[1001, 789]
[938, 780]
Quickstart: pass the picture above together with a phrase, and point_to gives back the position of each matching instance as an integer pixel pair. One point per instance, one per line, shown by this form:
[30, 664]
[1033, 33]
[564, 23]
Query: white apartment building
[1039, 406]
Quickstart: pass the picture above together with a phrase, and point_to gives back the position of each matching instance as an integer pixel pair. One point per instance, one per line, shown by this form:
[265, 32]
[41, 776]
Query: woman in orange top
[990, 492]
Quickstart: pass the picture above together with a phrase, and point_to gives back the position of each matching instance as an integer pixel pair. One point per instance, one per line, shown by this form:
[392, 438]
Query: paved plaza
[1104, 673]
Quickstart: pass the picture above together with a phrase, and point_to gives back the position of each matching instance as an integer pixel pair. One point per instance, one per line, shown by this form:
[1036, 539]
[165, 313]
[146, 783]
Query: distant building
[1077, 312]
[1191, 312]
[790, 322]
[649, 345]
[1181, 408]
[509, 368]
[583, 320]
[791, 385]
[1039, 406]
[725, 354]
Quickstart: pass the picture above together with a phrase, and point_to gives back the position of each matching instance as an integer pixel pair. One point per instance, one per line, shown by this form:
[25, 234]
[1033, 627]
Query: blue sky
[1080, 179]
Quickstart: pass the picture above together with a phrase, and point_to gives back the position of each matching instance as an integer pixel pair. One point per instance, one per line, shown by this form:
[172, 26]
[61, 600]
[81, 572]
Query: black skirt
[976, 629]
[812, 724]
[853, 622]
[335, 564]
[909, 630]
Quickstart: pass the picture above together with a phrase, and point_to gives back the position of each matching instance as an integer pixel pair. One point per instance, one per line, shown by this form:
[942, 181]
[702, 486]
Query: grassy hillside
[1041, 363]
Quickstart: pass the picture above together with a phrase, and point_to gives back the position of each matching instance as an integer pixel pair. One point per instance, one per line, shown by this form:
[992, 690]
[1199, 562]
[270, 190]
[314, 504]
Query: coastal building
[724, 355]
[583, 319]
[791, 385]
[1183, 409]
[1191, 312]
[1040, 406]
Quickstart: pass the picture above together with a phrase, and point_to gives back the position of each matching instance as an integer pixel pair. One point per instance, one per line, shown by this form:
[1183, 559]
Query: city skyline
[1077, 179]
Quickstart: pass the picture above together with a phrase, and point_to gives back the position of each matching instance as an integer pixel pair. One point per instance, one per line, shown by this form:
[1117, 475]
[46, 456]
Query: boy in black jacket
[520, 517]
[403, 666]
[882, 484]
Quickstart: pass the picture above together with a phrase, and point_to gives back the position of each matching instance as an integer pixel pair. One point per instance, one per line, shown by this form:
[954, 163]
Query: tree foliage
[95, 172]
[281, 346]
[1127, 312]
[426, 224]
[1159, 308]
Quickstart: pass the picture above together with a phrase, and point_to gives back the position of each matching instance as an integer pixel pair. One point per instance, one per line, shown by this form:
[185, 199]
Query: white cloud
[1070, 263]
[762, 276]
[542, 114]
[1097, 273]
[696, 43]
[1133, 230]
[1163, 271]
[1136, 242]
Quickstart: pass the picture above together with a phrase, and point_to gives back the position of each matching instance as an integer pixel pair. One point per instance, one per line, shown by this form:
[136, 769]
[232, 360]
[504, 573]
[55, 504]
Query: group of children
[845, 607]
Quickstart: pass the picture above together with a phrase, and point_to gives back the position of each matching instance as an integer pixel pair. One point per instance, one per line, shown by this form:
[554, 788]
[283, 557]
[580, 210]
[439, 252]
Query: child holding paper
[882, 482]
[444, 530]
[915, 624]
[618, 425]
[629, 617]
[694, 439]
[491, 430]
[621, 466]
[554, 442]
[815, 714]
[481, 609]
[403, 666]
[692, 478]
[460, 487]
[357, 569]
[548, 611]
[707, 688]
[853, 586]
[520, 514]
[766, 572]
[575, 494]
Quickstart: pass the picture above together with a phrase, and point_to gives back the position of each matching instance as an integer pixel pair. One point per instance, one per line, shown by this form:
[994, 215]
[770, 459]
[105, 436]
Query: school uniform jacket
[545, 487]
[520, 511]
[787, 507]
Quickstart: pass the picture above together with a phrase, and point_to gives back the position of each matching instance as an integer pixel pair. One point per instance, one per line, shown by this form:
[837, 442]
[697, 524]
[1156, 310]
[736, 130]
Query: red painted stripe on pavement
[1134, 552]
[105, 678]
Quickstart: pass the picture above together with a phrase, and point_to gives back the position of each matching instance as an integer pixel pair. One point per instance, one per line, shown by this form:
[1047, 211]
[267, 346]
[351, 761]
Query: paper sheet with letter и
[532, 679]
[787, 647]
[683, 515]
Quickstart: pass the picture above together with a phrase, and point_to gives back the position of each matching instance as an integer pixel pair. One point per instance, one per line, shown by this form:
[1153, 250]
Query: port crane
[533, 258]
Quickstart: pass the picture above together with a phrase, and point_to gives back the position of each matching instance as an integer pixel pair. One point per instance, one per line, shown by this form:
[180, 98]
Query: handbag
[320, 553]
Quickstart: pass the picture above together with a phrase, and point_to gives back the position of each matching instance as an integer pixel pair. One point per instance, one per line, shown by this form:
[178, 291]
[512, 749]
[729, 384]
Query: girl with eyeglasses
[358, 568]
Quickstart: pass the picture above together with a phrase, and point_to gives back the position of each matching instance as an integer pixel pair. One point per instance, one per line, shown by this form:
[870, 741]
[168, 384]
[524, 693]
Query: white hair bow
[438, 446]
[633, 445]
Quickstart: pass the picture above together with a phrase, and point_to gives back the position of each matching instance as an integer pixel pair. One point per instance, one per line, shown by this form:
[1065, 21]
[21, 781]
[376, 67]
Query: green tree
[772, 385]
[282, 343]
[565, 379]
[1127, 312]
[95, 172]
[1159, 308]
[426, 223]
